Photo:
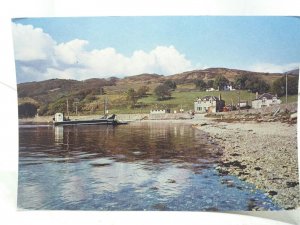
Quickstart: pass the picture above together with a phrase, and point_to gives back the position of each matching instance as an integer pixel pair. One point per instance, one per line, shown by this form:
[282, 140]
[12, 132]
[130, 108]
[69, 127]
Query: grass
[180, 99]
[186, 99]
[291, 98]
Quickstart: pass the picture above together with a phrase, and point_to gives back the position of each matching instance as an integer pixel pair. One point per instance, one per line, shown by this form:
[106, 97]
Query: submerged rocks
[171, 181]
[266, 158]
[228, 183]
[100, 164]
[272, 193]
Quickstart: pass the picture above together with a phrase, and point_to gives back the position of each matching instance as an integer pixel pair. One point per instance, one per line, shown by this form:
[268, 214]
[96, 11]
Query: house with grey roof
[209, 104]
[265, 100]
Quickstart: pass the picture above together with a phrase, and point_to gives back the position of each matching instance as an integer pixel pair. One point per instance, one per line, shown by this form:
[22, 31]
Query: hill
[294, 72]
[211, 73]
[87, 96]
[49, 90]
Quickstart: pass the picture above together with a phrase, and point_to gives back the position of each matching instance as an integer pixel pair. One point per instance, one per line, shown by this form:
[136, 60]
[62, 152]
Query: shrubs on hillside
[162, 92]
[27, 110]
[279, 86]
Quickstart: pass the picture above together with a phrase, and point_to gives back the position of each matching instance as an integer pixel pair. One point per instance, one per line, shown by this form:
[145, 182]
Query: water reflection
[140, 166]
[59, 134]
[151, 142]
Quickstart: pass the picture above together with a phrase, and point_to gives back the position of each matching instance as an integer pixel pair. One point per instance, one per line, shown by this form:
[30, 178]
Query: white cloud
[31, 43]
[40, 57]
[273, 68]
[68, 52]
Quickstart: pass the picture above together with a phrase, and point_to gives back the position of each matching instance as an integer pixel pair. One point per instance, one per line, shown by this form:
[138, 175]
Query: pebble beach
[263, 154]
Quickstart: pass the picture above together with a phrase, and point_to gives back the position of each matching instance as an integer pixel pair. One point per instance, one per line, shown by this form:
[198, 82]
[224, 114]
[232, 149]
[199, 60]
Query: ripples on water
[140, 166]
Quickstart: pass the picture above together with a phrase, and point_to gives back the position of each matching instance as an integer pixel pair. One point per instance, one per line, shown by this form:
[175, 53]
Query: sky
[85, 47]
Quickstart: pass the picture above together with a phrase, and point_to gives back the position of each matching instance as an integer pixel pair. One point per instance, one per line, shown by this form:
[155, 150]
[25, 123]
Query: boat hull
[87, 122]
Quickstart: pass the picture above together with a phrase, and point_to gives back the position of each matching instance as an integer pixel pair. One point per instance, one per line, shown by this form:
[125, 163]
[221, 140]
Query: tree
[240, 81]
[279, 86]
[252, 83]
[142, 91]
[210, 83]
[43, 110]
[102, 92]
[201, 85]
[255, 84]
[220, 82]
[171, 84]
[131, 96]
[162, 92]
[60, 105]
[27, 110]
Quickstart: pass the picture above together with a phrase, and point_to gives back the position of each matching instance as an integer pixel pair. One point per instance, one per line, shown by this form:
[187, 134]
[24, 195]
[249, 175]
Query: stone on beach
[264, 154]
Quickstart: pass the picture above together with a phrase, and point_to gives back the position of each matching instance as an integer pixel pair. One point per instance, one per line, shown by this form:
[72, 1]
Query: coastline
[263, 154]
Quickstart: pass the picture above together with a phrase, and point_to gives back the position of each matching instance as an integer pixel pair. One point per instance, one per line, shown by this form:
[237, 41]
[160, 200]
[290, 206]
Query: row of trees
[252, 83]
[218, 83]
[279, 86]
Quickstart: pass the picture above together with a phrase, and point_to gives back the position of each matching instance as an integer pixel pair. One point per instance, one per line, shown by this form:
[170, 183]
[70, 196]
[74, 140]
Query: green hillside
[88, 96]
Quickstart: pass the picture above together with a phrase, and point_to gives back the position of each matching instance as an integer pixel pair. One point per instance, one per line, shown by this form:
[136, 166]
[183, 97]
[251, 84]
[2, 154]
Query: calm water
[140, 166]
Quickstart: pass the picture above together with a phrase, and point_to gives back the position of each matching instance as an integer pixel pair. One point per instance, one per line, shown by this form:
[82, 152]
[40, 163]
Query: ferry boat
[60, 120]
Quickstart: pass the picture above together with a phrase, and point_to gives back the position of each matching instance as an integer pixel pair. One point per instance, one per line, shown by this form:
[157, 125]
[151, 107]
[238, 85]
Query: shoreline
[263, 154]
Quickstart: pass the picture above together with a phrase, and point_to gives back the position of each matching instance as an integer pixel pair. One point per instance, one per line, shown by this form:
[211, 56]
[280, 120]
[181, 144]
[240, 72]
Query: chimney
[256, 95]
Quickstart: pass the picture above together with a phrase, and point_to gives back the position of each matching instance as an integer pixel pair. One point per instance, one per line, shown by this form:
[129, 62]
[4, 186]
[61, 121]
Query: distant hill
[142, 78]
[294, 72]
[211, 73]
[50, 95]
[49, 90]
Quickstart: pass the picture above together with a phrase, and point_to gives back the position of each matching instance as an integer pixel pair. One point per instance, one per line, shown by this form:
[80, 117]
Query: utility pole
[286, 88]
[68, 107]
[104, 112]
[76, 108]
[239, 100]
[105, 106]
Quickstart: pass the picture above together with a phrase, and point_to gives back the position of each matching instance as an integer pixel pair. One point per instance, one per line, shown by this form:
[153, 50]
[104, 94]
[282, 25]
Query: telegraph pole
[104, 112]
[239, 100]
[76, 108]
[105, 106]
[286, 88]
[68, 107]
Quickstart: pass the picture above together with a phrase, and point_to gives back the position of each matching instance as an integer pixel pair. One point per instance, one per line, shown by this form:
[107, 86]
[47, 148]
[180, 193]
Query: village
[212, 104]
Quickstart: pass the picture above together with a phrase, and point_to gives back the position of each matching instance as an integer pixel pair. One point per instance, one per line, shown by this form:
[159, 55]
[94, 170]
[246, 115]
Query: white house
[265, 100]
[228, 88]
[210, 104]
[210, 89]
[159, 111]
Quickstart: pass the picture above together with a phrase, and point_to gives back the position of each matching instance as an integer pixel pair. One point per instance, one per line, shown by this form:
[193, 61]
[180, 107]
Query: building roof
[267, 96]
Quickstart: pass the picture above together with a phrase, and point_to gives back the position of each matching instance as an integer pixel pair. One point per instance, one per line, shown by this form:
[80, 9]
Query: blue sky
[164, 45]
